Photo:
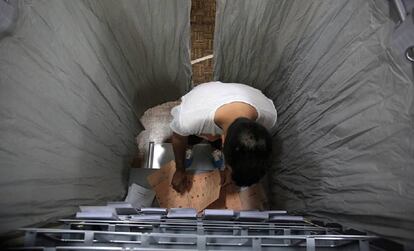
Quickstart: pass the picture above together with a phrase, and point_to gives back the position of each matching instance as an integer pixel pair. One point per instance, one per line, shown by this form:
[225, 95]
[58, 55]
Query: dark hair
[247, 150]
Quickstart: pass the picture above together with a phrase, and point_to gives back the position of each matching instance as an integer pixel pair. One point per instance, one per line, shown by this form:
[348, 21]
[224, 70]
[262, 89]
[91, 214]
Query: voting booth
[76, 76]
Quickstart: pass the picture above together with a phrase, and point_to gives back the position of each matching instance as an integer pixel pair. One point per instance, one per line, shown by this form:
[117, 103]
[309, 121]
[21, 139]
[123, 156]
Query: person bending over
[235, 119]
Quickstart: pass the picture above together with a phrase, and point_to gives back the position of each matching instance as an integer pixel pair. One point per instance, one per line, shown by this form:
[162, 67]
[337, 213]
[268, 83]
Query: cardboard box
[213, 190]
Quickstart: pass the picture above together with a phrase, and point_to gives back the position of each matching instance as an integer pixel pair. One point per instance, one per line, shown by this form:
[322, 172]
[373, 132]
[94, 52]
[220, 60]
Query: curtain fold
[344, 136]
[74, 78]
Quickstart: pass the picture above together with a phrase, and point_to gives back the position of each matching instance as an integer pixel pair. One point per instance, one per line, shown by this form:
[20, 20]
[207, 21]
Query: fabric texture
[195, 114]
[74, 78]
[8, 17]
[76, 75]
[344, 139]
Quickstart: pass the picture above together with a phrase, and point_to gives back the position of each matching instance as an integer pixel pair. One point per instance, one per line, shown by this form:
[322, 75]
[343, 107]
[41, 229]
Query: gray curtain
[74, 78]
[345, 137]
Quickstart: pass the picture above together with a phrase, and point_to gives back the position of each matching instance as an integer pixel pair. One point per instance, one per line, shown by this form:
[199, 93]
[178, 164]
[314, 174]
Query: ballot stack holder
[283, 232]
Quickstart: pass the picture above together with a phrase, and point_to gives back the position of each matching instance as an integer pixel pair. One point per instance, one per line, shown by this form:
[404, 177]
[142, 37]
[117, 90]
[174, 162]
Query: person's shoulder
[268, 118]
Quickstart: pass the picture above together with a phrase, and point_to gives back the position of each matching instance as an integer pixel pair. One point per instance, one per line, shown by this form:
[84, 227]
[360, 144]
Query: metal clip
[409, 54]
[402, 12]
[150, 159]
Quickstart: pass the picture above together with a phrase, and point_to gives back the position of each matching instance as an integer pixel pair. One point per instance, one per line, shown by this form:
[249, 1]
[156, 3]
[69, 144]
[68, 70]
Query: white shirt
[195, 114]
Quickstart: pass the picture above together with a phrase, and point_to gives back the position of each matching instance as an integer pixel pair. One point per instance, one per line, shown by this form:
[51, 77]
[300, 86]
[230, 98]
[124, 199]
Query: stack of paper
[286, 218]
[122, 207]
[97, 209]
[218, 214]
[96, 215]
[96, 212]
[253, 215]
[153, 210]
[139, 196]
[182, 213]
[143, 217]
[149, 213]
[276, 212]
[126, 211]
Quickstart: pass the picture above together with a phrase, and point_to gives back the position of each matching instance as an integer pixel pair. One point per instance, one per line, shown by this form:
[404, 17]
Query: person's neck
[228, 113]
[225, 123]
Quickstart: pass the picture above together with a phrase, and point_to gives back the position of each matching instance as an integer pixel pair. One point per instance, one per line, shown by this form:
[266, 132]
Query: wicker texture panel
[202, 30]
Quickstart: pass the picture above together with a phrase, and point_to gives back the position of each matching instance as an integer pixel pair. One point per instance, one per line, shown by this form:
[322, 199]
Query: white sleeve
[175, 124]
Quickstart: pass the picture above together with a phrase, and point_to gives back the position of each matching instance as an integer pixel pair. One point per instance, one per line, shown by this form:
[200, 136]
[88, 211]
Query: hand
[226, 176]
[180, 181]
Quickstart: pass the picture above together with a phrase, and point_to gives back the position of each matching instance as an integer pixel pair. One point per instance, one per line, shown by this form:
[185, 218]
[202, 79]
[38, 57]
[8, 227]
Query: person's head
[247, 150]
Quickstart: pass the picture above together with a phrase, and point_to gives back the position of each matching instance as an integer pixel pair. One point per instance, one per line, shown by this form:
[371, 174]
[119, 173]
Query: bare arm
[180, 182]
[179, 144]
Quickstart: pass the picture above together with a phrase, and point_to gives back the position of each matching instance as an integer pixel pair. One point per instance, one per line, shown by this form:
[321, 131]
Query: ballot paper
[122, 207]
[285, 218]
[126, 211]
[218, 214]
[96, 212]
[182, 213]
[144, 217]
[276, 212]
[139, 196]
[96, 215]
[253, 215]
[153, 210]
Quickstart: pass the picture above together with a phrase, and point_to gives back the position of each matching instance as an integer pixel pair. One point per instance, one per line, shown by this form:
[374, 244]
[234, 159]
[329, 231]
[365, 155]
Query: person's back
[238, 113]
[195, 114]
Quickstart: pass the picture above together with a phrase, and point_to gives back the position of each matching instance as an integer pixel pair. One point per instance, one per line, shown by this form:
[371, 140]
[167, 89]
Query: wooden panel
[212, 189]
[205, 188]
